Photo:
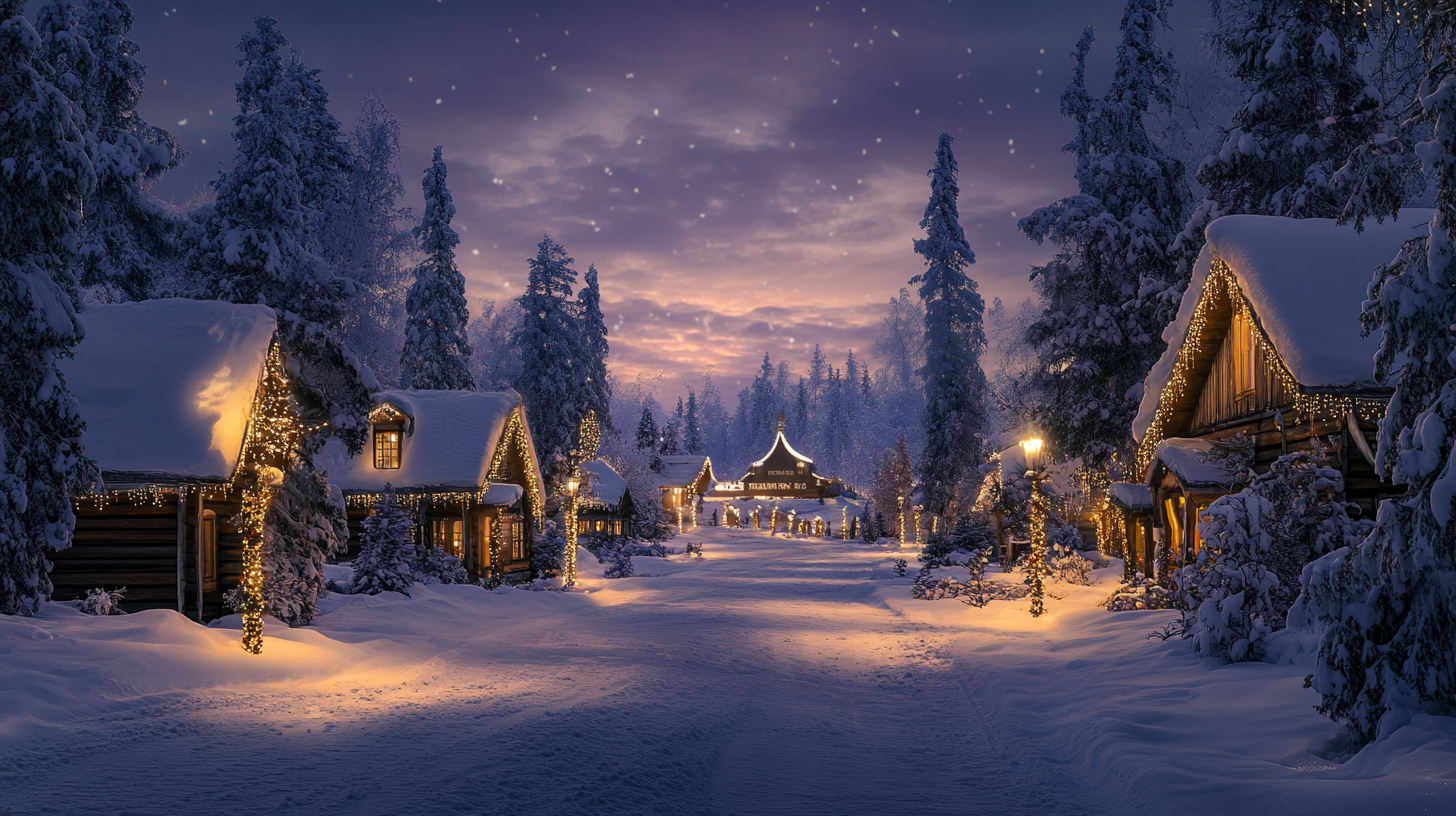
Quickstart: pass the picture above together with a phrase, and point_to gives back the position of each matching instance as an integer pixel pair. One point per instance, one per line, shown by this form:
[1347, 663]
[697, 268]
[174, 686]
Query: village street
[770, 676]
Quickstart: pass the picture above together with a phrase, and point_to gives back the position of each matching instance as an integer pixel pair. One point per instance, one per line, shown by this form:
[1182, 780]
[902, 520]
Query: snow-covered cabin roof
[1193, 461]
[1130, 496]
[606, 485]
[166, 386]
[678, 471]
[1306, 279]
[450, 439]
[781, 442]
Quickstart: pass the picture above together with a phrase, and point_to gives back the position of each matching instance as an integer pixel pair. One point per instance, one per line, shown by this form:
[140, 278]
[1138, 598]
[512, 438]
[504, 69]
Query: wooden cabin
[168, 389]
[682, 481]
[783, 473]
[604, 506]
[1266, 344]
[463, 461]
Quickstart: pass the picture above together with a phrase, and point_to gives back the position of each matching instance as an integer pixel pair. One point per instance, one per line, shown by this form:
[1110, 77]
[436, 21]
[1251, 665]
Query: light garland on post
[569, 568]
[1222, 286]
[902, 519]
[919, 520]
[1036, 559]
[844, 522]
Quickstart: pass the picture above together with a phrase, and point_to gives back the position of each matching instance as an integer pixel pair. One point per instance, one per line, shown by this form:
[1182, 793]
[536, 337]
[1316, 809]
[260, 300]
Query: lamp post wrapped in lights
[1036, 559]
[569, 569]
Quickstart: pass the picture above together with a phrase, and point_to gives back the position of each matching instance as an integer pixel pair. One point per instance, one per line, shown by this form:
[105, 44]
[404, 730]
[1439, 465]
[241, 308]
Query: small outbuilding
[605, 506]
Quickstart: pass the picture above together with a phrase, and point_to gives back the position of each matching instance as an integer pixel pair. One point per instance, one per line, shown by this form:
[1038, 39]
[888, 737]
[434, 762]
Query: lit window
[386, 448]
[449, 535]
[1242, 336]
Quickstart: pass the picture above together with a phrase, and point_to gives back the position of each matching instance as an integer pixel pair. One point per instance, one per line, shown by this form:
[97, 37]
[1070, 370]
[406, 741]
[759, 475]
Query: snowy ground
[770, 676]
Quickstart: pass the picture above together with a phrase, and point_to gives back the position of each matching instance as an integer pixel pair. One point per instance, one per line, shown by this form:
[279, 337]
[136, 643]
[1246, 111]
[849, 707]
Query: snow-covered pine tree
[495, 360]
[714, 420]
[671, 444]
[253, 244]
[46, 173]
[894, 487]
[305, 524]
[596, 385]
[436, 353]
[762, 411]
[1309, 109]
[646, 431]
[125, 236]
[1114, 285]
[375, 243]
[386, 561]
[1388, 650]
[550, 341]
[955, 411]
[324, 161]
[692, 431]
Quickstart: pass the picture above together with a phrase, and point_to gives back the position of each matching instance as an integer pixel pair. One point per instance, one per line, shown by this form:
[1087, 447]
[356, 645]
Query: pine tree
[762, 410]
[597, 386]
[1388, 650]
[495, 359]
[125, 236]
[646, 431]
[692, 432]
[303, 527]
[46, 173]
[1114, 285]
[802, 429]
[253, 243]
[1310, 108]
[894, 488]
[550, 340]
[374, 243]
[386, 561]
[671, 438]
[436, 352]
[955, 412]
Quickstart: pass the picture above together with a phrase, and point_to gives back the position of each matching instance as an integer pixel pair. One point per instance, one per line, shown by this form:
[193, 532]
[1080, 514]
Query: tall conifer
[550, 341]
[436, 352]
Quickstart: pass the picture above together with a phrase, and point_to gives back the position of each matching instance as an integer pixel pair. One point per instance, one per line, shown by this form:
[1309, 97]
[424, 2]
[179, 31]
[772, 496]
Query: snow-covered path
[771, 676]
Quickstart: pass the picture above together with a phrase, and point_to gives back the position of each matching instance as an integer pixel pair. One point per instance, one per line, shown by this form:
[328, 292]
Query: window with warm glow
[518, 540]
[207, 550]
[449, 535]
[1241, 334]
[1173, 524]
[386, 448]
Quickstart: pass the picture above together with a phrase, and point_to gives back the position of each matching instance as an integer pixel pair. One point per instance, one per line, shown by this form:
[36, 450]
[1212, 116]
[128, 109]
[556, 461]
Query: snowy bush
[619, 564]
[692, 548]
[305, 524]
[1065, 562]
[899, 567]
[386, 561]
[434, 566]
[973, 533]
[976, 590]
[1256, 543]
[102, 602]
[1140, 593]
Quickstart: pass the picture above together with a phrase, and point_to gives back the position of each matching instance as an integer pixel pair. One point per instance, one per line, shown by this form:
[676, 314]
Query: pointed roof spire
[781, 422]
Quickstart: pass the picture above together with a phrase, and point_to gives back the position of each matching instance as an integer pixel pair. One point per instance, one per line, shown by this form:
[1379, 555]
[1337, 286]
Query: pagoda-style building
[783, 473]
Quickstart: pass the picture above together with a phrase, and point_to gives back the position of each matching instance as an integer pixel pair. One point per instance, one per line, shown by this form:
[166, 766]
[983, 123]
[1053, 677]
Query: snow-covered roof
[677, 471]
[167, 386]
[1131, 496]
[449, 442]
[780, 441]
[1306, 279]
[607, 486]
[1193, 461]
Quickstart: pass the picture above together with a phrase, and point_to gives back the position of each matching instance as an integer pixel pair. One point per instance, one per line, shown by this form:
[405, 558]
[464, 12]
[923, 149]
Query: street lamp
[572, 483]
[1036, 559]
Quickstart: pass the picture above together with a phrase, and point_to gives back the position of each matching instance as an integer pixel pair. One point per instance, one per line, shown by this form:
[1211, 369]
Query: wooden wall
[1220, 400]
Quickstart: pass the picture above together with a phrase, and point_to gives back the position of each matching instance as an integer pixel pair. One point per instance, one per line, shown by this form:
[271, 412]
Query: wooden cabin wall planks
[121, 545]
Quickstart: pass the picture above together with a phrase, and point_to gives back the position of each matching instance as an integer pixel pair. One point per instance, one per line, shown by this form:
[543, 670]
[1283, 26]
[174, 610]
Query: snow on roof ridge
[790, 448]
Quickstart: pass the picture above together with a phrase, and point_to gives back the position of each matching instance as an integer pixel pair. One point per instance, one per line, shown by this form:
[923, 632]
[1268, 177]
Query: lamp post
[569, 569]
[1036, 559]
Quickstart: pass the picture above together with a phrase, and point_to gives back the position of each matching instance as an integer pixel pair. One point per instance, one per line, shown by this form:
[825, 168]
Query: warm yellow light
[572, 483]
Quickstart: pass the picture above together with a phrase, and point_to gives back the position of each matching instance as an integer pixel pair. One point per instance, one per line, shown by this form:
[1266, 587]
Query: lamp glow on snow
[573, 483]
[1036, 559]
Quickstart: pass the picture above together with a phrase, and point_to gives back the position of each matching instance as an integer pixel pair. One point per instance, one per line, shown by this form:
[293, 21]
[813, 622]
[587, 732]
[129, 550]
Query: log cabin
[1267, 352]
[463, 461]
[169, 390]
[605, 506]
[782, 473]
[682, 481]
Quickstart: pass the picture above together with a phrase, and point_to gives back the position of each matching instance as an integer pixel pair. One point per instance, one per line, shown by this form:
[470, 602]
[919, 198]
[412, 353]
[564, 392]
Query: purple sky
[746, 176]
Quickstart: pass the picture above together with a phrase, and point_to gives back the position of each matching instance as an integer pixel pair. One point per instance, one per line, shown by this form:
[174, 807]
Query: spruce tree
[955, 412]
[1114, 285]
[646, 438]
[894, 487]
[1309, 109]
[46, 175]
[386, 561]
[303, 526]
[436, 352]
[671, 436]
[253, 243]
[692, 431]
[551, 360]
[597, 387]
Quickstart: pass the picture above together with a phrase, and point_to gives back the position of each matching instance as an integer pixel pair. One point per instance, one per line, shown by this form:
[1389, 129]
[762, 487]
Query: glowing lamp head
[1031, 448]
[572, 483]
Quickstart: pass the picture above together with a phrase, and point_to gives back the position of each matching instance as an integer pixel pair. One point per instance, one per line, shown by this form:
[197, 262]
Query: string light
[515, 432]
[1036, 559]
[1221, 288]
